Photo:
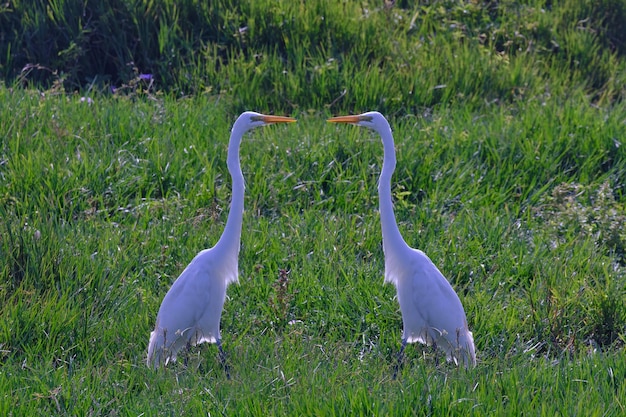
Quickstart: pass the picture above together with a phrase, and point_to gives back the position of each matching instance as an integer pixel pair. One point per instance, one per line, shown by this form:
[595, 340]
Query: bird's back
[431, 310]
[191, 309]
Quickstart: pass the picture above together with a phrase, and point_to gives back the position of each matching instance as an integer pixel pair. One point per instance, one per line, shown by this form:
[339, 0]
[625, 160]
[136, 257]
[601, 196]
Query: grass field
[104, 204]
[509, 125]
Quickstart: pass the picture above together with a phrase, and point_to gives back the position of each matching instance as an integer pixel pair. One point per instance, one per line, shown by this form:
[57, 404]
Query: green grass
[103, 205]
[350, 54]
[509, 126]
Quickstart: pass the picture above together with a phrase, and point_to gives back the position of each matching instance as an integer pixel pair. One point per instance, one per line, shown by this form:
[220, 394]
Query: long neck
[232, 231]
[391, 234]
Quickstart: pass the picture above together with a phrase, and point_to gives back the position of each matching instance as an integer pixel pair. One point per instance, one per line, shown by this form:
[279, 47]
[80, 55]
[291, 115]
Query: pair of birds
[432, 313]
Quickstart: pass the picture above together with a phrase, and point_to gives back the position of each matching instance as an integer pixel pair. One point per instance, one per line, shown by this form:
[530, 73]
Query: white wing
[431, 310]
[190, 311]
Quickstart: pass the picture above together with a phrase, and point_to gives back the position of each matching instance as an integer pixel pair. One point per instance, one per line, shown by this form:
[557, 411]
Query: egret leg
[400, 360]
[186, 354]
[434, 347]
[223, 361]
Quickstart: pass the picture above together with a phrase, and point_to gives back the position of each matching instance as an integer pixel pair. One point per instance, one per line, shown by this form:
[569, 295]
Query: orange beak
[345, 119]
[277, 119]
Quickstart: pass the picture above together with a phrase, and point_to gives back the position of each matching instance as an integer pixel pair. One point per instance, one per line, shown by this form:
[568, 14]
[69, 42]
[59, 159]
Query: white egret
[191, 310]
[432, 313]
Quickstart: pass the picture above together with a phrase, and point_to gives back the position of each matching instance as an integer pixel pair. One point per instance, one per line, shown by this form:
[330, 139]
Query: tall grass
[350, 55]
[104, 204]
[509, 132]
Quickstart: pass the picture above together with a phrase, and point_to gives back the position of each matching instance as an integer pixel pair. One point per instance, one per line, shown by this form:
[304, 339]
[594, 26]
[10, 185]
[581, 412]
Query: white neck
[392, 239]
[231, 237]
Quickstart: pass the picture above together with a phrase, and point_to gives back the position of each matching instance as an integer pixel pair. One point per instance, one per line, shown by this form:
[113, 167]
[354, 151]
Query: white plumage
[431, 311]
[191, 310]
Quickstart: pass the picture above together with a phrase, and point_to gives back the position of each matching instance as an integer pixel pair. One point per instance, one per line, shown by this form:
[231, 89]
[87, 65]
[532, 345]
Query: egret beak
[345, 119]
[277, 119]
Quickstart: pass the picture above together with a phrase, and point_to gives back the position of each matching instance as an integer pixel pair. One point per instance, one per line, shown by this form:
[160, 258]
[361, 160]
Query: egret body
[191, 310]
[432, 313]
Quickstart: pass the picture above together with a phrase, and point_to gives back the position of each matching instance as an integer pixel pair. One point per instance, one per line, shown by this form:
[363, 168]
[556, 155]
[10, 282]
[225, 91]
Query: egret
[432, 313]
[191, 310]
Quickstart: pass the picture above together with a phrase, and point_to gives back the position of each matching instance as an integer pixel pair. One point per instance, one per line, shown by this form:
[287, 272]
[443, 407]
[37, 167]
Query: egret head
[249, 120]
[372, 119]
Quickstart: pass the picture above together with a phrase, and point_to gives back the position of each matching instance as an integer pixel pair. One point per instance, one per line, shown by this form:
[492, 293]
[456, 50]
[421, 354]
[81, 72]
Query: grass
[509, 129]
[397, 57]
[104, 204]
